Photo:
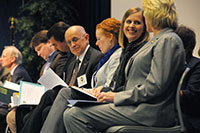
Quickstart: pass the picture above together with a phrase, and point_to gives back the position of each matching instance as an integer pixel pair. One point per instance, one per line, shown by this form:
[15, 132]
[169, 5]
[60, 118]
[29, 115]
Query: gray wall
[188, 13]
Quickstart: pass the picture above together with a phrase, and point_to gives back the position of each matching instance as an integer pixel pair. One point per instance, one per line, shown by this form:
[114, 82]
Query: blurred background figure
[11, 58]
[190, 93]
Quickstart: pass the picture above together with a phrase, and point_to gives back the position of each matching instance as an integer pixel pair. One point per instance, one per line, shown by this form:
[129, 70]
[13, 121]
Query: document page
[50, 79]
[78, 102]
[11, 85]
[30, 93]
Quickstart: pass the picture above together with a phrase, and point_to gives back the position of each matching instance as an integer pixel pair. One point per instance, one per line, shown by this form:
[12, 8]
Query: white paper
[11, 85]
[50, 79]
[14, 100]
[30, 93]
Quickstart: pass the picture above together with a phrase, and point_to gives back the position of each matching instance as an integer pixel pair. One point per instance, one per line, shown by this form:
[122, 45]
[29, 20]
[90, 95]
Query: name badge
[82, 80]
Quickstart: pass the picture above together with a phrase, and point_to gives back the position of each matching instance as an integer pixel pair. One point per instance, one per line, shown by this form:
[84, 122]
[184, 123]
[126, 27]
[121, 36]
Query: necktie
[9, 78]
[76, 68]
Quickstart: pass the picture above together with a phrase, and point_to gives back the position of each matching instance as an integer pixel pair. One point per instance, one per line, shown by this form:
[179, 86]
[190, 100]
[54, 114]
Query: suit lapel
[42, 69]
[85, 63]
[71, 68]
[18, 68]
[140, 50]
[54, 61]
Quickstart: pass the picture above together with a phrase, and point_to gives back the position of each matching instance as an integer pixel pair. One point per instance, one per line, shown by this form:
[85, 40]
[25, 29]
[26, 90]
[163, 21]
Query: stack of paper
[50, 79]
[30, 93]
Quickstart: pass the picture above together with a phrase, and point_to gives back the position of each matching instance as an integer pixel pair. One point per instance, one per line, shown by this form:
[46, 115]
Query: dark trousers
[35, 119]
[3, 113]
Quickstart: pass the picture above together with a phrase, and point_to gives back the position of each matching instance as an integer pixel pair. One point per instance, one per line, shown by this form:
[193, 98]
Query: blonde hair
[16, 53]
[122, 38]
[160, 13]
[110, 26]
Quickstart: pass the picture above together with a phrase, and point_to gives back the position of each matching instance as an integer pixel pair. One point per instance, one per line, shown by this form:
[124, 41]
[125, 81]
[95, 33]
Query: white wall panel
[188, 13]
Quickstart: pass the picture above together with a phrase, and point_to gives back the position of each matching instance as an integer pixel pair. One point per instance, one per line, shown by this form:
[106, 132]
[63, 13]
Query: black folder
[5, 94]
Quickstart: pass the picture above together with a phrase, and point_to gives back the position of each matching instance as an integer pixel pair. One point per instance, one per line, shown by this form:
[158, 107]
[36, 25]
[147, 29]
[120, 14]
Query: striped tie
[9, 78]
[76, 68]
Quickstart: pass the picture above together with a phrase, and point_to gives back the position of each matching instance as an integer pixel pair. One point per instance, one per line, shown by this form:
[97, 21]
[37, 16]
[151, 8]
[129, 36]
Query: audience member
[56, 36]
[34, 121]
[11, 58]
[132, 37]
[107, 33]
[107, 40]
[45, 49]
[78, 42]
[190, 94]
[151, 78]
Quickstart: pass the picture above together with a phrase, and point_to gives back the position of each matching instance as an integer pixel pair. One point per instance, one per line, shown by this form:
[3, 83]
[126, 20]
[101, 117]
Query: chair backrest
[178, 107]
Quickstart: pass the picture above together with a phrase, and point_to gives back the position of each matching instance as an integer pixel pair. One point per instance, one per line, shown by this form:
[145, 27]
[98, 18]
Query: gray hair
[16, 53]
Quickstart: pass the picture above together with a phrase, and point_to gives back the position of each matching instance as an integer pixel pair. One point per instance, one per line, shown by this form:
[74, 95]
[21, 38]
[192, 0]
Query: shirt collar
[12, 71]
[83, 54]
[51, 56]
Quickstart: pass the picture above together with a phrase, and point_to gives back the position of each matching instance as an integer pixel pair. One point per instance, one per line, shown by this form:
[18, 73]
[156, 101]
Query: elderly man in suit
[86, 60]
[11, 58]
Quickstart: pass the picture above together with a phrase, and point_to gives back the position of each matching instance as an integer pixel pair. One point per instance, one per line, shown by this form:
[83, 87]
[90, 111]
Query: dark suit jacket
[58, 63]
[20, 74]
[38, 115]
[88, 66]
[34, 119]
[191, 95]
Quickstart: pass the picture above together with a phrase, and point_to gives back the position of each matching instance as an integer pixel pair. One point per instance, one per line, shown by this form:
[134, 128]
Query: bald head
[77, 39]
[76, 29]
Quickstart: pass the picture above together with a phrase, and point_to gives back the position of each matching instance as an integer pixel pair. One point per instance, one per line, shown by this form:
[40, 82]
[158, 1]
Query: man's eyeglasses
[74, 40]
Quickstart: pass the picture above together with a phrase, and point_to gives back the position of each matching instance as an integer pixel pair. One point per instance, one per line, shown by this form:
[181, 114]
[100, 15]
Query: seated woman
[151, 77]
[107, 40]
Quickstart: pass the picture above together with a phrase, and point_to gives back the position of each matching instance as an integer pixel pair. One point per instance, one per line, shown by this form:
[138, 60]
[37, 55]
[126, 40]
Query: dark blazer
[36, 118]
[88, 66]
[20, 74]
[57, 64]
[191, 96]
